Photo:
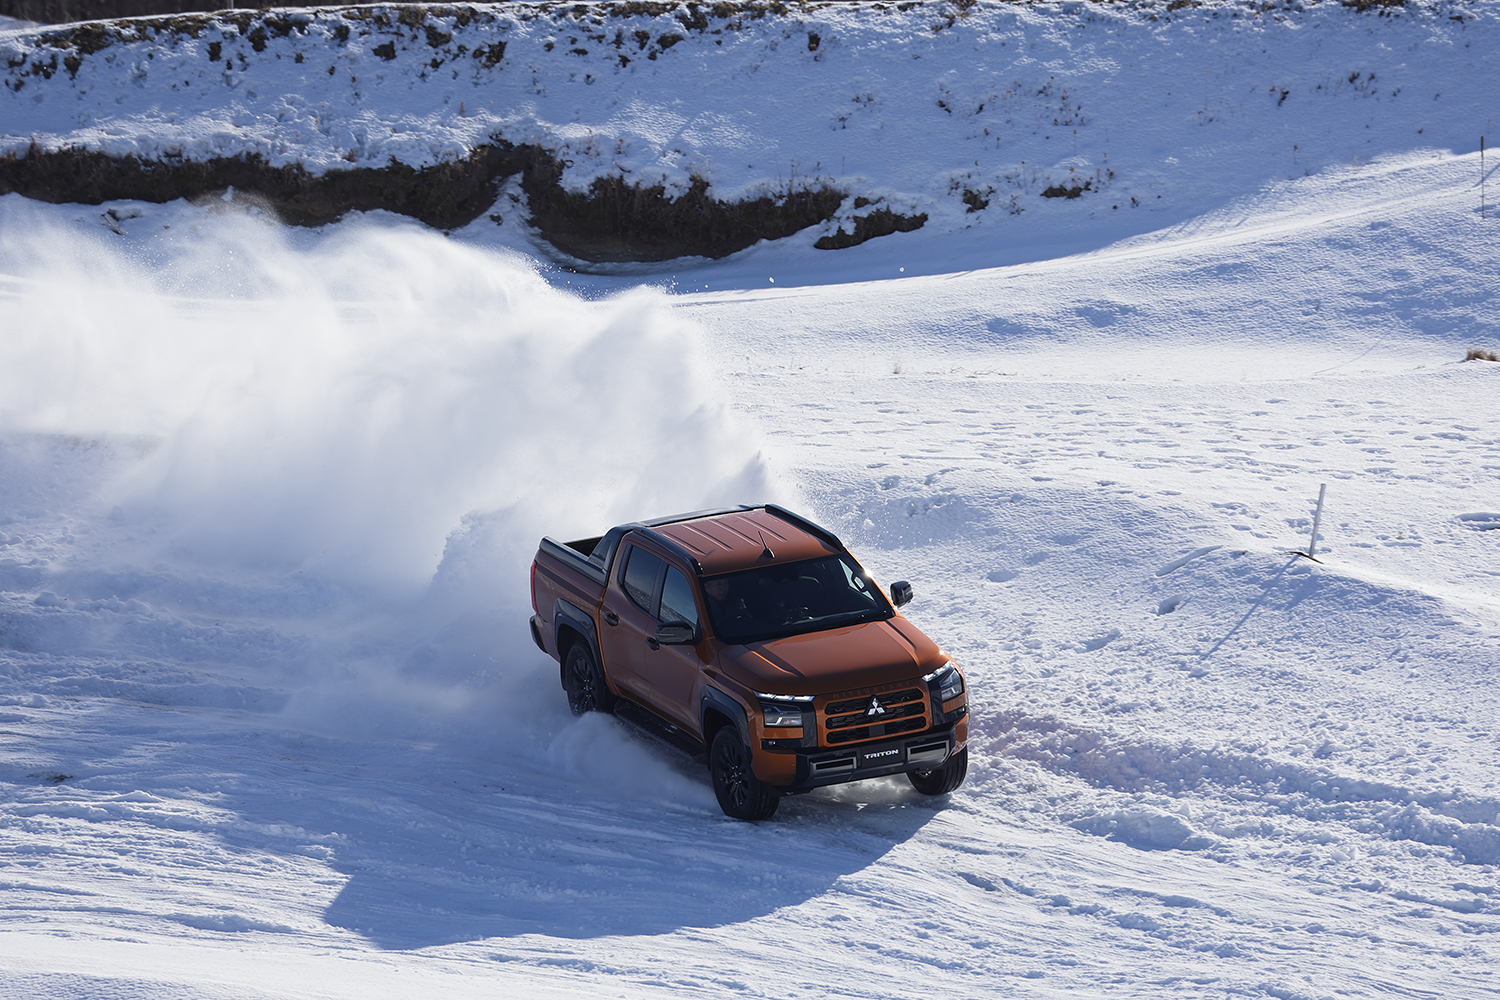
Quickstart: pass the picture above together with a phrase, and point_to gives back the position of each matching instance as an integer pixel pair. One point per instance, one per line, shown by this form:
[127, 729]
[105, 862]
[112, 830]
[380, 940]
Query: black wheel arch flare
[566, 615]
[715, 701]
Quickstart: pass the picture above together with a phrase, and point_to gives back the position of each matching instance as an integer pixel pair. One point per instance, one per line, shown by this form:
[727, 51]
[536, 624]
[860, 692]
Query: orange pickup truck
[750, 636]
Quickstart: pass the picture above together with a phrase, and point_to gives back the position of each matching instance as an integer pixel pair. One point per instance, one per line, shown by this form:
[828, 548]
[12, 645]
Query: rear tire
[942, 780]
[741, 794]
[584, 682]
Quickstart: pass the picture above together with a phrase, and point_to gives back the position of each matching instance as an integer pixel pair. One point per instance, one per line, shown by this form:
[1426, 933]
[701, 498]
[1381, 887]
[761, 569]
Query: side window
[642, 571]
[677, 599]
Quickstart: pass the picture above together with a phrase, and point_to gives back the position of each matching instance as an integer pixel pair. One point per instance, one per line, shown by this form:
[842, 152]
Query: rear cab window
[641, 578]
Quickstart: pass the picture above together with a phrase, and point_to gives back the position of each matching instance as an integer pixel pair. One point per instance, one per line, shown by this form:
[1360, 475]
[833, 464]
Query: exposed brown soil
[65, 11]
[447, 195]
[1059, 191]
[693, 16]
[612, 221]
[881, 222]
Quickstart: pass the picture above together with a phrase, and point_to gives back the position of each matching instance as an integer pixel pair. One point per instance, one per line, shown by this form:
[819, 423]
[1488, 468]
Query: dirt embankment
[66, 11]
[611, 221]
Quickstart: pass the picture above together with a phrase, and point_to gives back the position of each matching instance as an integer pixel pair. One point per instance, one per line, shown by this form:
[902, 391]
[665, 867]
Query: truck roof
[732, 540]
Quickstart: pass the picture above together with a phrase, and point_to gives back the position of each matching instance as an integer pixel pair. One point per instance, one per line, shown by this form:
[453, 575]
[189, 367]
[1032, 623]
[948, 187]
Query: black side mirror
[900, 593]
[676, 633]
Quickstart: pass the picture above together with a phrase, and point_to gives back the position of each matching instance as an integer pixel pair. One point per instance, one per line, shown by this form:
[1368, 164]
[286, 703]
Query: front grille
[849, 720]
[859, 718]
[875, 732]
[862, 705]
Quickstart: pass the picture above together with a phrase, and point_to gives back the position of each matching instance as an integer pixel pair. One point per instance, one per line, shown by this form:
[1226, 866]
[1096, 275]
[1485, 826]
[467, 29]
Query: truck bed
[576, 557]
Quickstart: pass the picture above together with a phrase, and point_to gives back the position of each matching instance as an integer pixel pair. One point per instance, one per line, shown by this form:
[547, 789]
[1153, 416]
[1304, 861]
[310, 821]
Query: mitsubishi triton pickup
[751, 638]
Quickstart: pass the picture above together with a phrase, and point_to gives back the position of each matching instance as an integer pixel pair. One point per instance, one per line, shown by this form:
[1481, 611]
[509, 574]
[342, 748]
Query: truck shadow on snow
[528, 862]
[579, 874]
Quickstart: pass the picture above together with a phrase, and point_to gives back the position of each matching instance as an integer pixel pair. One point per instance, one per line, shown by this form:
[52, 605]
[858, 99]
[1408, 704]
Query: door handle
[610, 618]
[651, 641]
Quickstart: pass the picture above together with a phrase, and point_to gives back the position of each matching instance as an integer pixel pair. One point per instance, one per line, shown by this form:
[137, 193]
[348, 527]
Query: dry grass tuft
[1479, 354]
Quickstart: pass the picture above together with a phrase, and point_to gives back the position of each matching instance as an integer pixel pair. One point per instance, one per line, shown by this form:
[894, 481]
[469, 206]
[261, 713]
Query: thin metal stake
[1312, 544]
[1481, 178]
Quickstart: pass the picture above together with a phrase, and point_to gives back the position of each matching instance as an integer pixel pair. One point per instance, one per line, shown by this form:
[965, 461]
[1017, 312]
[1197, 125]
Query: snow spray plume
[341, 406]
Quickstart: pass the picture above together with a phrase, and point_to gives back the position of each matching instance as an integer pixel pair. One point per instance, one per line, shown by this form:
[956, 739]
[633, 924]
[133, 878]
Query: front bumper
[917, 752]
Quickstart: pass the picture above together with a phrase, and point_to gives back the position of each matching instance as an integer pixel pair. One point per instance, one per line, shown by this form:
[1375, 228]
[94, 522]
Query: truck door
[673, 670]
[627, 622]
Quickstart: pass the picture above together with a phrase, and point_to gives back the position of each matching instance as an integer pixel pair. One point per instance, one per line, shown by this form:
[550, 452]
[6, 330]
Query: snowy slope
[963, 114]
[272, 726]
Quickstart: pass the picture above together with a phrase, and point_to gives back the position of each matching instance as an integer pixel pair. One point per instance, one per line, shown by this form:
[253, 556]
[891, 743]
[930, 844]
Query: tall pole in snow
[1481, 178]
[1312, 544]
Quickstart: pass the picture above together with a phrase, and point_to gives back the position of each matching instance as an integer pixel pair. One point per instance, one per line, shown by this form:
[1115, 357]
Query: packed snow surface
[272, 725]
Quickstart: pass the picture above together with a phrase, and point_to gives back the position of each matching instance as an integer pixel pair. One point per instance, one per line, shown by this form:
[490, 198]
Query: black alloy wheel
[584, 682]
[741, 794]
[942, 780]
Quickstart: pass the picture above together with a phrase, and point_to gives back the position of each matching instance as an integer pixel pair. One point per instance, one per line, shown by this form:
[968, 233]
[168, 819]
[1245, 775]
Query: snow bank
[1036, 122]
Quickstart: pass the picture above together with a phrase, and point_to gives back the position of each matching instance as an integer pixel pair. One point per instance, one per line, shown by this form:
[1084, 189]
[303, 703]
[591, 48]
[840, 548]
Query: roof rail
[808, 526]
[657, 522]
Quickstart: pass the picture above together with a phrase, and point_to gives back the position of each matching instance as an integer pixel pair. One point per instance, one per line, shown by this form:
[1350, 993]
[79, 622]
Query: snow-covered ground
[272, 725]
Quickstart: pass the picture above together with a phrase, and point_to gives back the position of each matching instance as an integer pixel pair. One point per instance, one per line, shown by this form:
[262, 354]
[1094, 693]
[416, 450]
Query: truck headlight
[782, 716]
[953, 685]
[950, 682]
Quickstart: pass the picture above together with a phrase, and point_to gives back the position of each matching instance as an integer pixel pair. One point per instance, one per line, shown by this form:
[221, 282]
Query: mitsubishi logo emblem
[876, 708]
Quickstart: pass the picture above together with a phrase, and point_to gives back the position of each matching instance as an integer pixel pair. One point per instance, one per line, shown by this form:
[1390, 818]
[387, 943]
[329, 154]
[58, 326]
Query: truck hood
[858, 656]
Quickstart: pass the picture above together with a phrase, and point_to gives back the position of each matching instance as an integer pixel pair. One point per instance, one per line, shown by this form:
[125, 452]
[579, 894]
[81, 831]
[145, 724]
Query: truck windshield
[792, 598]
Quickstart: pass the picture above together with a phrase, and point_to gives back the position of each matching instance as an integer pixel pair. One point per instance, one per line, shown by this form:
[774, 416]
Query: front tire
[942, 780]
[741, 794]
[584, 682]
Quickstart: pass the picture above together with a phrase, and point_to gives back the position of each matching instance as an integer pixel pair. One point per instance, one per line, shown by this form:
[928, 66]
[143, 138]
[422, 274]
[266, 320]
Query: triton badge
[876, 708]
